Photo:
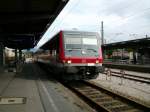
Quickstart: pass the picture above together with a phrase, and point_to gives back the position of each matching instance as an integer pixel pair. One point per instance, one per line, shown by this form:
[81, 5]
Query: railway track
[130, 76]
[104, 100]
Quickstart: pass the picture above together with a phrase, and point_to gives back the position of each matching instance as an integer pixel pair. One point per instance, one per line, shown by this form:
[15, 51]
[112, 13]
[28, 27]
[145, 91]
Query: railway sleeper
[93, 94]
[96, 96]
[113, 103]
[94, 91]
[133, 110]
[89, 91]
[105, 99]
[86, 89]
[120, 108]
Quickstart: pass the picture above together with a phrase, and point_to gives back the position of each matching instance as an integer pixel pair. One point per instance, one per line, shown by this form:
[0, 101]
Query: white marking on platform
[12, 100]
[49, 97]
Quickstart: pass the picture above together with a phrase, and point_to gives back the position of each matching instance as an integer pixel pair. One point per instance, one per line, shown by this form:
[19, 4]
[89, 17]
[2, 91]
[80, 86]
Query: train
[73, 55]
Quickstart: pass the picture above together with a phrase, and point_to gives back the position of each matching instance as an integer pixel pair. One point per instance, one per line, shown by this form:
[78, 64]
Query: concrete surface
[42, 94]
[136, 67]
[134, 73]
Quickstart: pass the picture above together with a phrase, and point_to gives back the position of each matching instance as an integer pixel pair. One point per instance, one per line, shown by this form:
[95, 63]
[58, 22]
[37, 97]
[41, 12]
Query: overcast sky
[123, 19]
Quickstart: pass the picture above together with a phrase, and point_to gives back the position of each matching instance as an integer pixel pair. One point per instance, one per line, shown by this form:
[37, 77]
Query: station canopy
[23, 22]
[137, 43]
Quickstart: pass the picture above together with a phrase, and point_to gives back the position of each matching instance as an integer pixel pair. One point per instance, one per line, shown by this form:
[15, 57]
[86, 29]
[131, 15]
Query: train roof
[47, 44]
[79, 32]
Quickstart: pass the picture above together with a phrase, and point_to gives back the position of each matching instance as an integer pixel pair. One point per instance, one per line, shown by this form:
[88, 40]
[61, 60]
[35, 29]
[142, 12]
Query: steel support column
[16, 56]
[2, 55]
[20, 54]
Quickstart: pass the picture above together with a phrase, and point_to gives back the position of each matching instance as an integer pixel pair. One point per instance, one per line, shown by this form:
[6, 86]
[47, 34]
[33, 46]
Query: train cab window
[81, 45]
[73, 42]
[89, 41]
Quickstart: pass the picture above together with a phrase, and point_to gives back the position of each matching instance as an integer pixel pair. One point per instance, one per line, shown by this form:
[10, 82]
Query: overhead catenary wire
[53, 28]
[118, 21]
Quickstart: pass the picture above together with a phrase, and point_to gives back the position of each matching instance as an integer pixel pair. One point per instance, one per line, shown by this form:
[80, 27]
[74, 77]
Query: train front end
[82, 55]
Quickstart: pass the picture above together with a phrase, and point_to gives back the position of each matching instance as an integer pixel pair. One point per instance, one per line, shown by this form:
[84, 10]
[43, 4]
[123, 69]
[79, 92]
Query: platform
[130, 67]
[41, 94]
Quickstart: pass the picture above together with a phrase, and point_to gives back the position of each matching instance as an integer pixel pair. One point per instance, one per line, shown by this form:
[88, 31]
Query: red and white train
[73, 55]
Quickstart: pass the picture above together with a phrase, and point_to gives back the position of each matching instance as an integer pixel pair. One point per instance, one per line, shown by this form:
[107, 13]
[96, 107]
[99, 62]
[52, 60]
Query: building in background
[129, 52]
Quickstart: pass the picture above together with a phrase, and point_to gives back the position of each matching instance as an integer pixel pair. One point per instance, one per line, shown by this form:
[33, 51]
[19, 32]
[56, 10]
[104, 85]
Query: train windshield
[81, 45]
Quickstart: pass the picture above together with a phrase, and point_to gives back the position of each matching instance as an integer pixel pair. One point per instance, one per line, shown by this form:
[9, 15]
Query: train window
[73, 40]
[90, 41]
[81, 45]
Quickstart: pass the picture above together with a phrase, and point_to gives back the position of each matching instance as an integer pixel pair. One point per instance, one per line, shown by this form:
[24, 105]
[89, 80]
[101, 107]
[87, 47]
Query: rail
[124, 75]
[103, 100]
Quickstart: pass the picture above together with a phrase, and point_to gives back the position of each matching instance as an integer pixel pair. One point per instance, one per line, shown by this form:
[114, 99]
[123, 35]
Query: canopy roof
[22, 22]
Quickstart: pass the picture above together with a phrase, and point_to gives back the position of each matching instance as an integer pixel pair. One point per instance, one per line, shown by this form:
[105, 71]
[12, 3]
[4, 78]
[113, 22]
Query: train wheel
[93, 74]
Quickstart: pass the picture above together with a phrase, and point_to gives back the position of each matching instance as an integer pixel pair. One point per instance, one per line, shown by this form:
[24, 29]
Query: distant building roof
[140, 43]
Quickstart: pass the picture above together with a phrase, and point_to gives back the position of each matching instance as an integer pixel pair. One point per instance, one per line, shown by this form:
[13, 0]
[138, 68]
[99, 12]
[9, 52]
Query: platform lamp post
[20, 60]
[102, 38]
[102, 32]
[20, 54]
[2, 57]
[16, 59]
[16, 56]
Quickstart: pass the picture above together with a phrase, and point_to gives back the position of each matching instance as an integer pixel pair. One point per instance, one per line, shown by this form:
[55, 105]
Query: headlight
[97, 61]
[69, 61]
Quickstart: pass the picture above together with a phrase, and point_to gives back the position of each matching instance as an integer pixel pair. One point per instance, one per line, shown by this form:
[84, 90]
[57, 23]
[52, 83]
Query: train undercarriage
[73, 72]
